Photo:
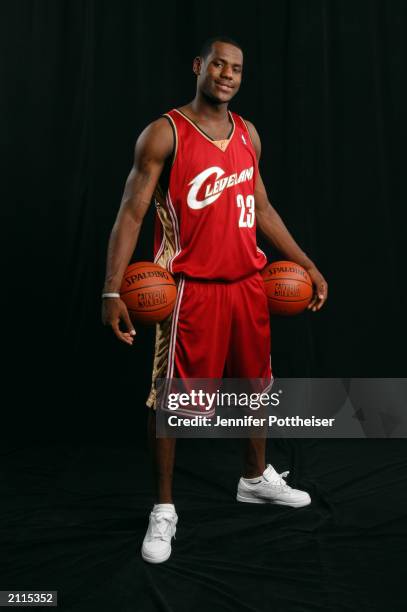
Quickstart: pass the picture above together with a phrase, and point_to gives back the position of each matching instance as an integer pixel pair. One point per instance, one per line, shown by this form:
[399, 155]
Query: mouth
[224, 87]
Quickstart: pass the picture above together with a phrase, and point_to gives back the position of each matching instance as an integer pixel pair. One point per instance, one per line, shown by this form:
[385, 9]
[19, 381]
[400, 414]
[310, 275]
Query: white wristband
[110, 295]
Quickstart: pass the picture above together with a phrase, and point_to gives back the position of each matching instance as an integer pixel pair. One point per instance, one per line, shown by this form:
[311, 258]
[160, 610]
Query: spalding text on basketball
[281, 269]
[143, 275]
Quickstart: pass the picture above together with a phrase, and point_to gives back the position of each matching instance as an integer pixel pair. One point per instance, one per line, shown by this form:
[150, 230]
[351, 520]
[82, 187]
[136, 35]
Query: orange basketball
[149, 292]
[288, 286]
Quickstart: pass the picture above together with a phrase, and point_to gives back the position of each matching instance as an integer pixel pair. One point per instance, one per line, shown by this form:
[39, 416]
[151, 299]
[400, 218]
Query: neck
[208, 109]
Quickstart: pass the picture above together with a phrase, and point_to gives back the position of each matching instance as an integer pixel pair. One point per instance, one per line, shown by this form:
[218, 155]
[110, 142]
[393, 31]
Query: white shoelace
[280, 482]
[162, 526]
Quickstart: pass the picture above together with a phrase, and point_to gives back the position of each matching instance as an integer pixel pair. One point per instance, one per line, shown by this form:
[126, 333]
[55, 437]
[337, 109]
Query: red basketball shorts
[217, 329]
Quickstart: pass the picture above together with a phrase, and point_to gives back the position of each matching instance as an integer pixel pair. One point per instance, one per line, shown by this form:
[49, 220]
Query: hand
[320, 289]
[115, 310]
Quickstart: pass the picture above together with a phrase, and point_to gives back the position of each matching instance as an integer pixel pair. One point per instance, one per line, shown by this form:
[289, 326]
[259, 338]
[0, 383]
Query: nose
[227, 71]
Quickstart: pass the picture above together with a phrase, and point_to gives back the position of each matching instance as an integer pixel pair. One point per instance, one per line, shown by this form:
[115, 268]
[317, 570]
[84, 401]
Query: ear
[197, 65]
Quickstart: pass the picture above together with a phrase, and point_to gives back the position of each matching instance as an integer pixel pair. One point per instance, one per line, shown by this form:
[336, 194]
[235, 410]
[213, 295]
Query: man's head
[219, 67]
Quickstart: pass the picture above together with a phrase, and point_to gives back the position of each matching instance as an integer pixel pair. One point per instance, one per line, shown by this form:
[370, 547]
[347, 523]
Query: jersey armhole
[174, 132]
[248, 131]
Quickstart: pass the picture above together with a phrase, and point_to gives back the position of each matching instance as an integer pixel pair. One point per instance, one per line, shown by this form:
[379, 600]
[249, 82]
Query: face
[220, 73]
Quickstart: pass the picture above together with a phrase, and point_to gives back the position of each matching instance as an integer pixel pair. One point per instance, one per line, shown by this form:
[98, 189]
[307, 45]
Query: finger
[322, 296]
[128, 323]
[124, 337]
[128, 337]
[317, 306]
[317, 287]
[320, 303]
[312, 302]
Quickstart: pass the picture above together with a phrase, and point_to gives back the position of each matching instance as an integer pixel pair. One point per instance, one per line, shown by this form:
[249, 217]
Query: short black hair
[206, 47]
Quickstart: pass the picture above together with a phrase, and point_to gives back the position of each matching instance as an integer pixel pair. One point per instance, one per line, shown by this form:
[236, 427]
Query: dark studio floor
[73, 519]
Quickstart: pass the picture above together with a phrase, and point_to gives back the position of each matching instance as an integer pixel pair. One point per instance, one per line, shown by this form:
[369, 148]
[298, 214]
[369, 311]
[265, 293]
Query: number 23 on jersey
[246, 218]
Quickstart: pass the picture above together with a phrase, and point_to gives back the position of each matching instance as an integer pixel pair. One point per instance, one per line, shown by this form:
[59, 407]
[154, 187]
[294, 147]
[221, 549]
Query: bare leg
[254, 457]
[163, 456]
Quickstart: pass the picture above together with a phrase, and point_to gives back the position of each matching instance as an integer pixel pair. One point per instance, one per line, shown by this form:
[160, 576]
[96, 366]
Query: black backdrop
[324, 83]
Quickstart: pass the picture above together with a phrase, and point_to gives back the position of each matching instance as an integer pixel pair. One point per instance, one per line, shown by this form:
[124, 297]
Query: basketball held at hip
[149, 292]
[288, 287]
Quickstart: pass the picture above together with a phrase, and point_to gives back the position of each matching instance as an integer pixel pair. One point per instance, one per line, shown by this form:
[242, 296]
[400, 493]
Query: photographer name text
[248, 421]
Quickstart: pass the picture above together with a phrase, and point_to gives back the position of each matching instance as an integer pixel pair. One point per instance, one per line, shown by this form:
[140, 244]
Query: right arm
[153, 147]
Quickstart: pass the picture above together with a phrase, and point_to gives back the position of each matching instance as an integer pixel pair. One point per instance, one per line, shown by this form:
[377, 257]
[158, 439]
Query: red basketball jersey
[208, 223]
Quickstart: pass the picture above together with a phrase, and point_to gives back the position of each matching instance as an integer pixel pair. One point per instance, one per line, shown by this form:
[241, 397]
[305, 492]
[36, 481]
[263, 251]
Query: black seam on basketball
[293, 280]
[288, 301]
[155, 287]
[148, 311]
[142, 264]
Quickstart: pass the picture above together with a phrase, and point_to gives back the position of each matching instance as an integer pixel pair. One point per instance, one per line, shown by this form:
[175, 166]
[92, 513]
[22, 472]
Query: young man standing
[199, 162]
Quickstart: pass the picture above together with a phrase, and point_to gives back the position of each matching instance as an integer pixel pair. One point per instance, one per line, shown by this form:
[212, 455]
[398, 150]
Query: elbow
[133, 215]
[264, 214]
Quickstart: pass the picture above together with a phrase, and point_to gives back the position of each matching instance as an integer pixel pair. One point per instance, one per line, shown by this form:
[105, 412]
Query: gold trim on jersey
[168, 245]
[160, 363]
[222, 144]
[165, 329]
[164, 351]
[200, 131]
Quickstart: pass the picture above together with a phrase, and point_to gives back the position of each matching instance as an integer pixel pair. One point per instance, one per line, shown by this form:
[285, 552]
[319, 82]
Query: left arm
[271, 225]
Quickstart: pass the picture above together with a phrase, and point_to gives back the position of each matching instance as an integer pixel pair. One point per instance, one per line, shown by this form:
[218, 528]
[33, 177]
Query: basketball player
[199, 163]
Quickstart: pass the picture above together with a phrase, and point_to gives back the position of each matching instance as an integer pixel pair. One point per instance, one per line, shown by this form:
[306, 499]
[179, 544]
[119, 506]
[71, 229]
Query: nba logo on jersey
[244, 139]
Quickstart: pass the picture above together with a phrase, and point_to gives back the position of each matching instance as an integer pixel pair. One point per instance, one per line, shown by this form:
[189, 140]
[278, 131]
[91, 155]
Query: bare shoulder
[254, 136]
[156, 140]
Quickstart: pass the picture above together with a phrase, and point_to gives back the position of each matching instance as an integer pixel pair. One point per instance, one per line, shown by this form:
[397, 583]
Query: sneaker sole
[155, 559]
[259, 500]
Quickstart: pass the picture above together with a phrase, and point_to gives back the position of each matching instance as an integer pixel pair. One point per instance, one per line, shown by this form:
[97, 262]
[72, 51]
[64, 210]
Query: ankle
[164, 506]
[256, 472]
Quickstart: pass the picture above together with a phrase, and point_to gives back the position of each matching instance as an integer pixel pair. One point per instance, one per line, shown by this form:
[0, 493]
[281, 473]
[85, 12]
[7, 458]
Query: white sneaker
[161, 528]
[271, 488]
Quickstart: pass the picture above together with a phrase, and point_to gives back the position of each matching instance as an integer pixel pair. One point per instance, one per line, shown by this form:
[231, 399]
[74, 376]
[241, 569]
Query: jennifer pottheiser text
[248, 421]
